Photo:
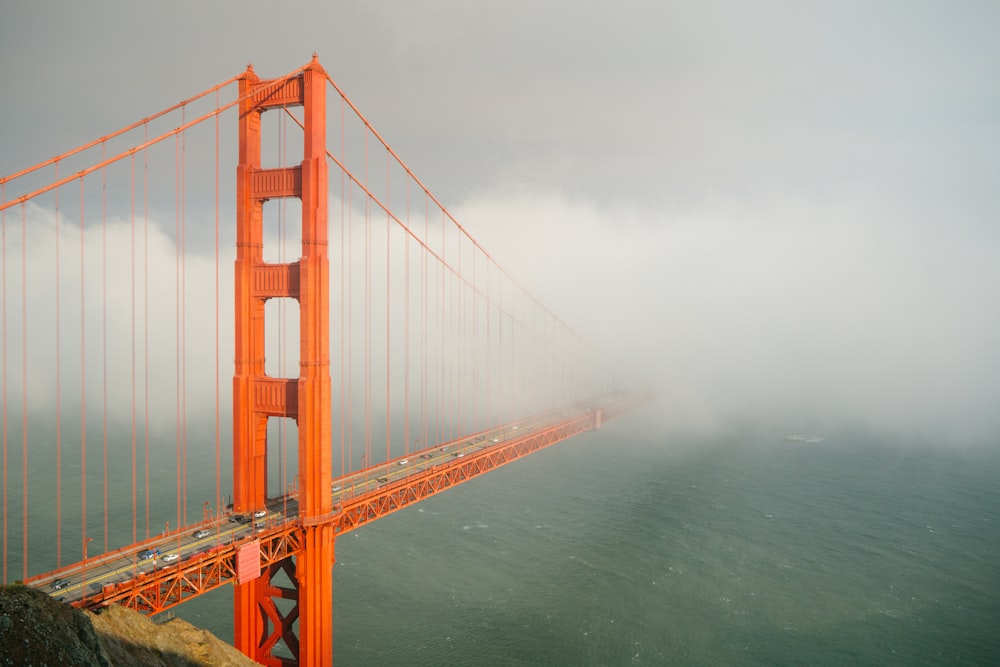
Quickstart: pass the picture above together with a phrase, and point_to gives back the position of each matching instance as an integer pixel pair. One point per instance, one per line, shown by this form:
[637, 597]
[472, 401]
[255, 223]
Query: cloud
[783, 208]
[772, 310]
[113, 321]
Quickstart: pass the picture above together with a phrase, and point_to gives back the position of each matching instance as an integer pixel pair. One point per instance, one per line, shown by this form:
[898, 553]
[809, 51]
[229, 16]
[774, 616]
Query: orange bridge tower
[259, 622]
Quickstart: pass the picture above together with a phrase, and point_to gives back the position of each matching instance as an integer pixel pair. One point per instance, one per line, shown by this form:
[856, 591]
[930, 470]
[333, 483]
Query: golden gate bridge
[380, 355]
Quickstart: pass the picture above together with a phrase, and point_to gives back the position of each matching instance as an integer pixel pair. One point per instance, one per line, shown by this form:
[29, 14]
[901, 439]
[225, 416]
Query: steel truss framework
[394, 496]
[162, 589]
[168, 587]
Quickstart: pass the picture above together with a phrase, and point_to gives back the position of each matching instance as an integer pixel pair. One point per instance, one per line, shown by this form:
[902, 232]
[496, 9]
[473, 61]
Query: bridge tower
[259, 622]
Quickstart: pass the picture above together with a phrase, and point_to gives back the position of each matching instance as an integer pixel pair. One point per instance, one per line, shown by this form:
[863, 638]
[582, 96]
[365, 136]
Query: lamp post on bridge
[86, 542]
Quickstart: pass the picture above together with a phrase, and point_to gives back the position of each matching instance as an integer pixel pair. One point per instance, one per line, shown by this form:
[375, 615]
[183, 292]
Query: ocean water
[621, 548]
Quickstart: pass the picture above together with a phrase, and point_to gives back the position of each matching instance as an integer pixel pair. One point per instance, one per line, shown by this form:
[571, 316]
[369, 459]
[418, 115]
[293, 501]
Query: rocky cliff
[37, 630]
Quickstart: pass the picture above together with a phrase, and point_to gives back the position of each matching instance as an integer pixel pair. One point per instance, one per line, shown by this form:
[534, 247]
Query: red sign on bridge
[248, 562]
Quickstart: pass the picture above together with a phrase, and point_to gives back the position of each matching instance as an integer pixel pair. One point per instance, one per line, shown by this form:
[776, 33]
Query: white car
[402, 462]
[201, 533]
[260, 514]
[170, 558]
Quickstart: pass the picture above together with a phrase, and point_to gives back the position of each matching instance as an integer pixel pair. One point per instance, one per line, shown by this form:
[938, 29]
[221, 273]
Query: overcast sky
[781, 211]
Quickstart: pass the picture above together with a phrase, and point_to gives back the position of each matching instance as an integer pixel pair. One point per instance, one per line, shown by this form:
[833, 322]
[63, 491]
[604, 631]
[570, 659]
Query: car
[514, 427]
[337, 488]
[260, 514]
[425, 456]
[402, 462]
[170, 558]
[260, 525]
[458, 455]
[198, 534]
[495, 440]
[147, 554]
[60, 584]
[382, 479]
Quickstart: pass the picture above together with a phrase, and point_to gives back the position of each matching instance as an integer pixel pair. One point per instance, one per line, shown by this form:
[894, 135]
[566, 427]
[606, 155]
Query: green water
[620, 549]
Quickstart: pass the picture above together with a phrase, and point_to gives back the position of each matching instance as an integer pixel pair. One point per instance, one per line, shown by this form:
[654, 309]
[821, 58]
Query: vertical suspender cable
[83, 378]
[425, 343]
[343, 218]
[104, 336]
[177, 323]
[218, 440]
[488, 351]
[549, 342]
[183, 311]
[3, 323]
[458, 301]
[406, 329]
[58, 388]
[452, 360]
[145, 316]
[24, 389]
[448, 343]
[368, 314]
[438, 349]
[135, 499]
[501, 401]
[509, 354]
[526, 342]
[475, 342]
[350, 329]
[388, 282]
[441, 339]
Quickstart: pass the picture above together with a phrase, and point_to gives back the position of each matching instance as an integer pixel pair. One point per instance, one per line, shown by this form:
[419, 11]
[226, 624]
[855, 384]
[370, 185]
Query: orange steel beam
[314, 565]
[161, 589]
[307, 398]
[249, 424]
[397, 494]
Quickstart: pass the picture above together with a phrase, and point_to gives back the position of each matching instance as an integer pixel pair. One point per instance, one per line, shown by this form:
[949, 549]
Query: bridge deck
[204, 556]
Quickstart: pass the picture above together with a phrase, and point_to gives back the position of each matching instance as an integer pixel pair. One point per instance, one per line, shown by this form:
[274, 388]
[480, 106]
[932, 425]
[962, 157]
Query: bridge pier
[261, 622]
[315, 573]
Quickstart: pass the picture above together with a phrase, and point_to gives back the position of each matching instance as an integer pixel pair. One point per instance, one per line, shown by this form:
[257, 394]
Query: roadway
[87, 578]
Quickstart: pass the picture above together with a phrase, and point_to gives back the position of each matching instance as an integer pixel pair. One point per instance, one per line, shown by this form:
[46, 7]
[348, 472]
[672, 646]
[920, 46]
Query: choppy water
[613, 549]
